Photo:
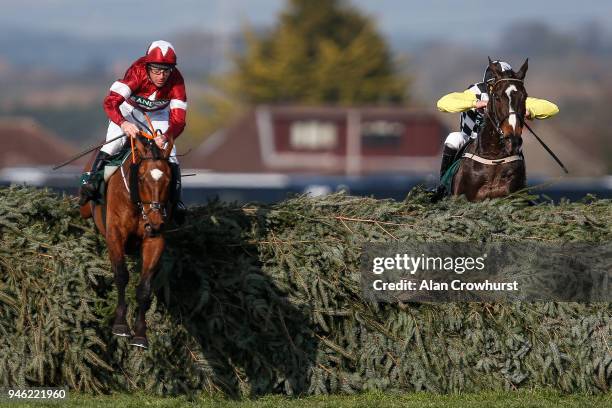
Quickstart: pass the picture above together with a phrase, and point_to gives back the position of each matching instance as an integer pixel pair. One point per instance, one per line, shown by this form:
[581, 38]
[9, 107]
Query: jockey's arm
[461, 101]
[120, 91]
[540, 108]
[456, 102]
[178, 110]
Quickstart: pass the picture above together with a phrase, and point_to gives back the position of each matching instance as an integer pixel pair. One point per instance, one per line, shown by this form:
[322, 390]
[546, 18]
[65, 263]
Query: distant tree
[322, 51]
[319, 52]
[531, 38]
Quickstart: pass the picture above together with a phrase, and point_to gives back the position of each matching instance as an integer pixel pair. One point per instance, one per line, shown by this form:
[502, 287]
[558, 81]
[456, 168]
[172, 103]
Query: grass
[522, 399]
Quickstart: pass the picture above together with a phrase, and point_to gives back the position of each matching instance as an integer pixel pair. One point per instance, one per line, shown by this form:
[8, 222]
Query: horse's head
[506, 107]
[154, 182]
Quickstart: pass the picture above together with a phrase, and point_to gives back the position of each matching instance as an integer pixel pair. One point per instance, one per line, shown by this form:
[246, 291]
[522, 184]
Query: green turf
[522, 399]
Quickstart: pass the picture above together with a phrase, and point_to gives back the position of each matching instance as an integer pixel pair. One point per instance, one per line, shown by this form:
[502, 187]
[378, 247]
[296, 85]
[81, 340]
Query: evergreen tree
[320, 52]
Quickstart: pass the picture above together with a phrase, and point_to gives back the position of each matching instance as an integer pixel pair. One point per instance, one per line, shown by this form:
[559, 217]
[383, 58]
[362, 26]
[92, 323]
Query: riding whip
[547, 149]
[83, 153]
[92, 148]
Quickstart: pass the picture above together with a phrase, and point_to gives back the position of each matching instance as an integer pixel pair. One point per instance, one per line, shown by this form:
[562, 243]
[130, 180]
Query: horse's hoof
[121, 330]
[139, 342]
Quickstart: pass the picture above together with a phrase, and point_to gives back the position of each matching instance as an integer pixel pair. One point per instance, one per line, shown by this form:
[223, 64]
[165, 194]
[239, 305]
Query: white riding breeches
[159, 119]
[456, 140]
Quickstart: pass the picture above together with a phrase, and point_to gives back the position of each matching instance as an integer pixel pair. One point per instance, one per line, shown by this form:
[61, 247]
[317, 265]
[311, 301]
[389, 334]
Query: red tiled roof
[252, 143]
[26, 143]
[229, 148]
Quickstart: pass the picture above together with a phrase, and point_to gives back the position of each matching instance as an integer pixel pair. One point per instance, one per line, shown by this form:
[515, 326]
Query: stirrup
[86, 177]
[89, 187]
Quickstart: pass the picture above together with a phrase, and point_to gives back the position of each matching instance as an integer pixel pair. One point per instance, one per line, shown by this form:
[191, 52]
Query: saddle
[114, 162]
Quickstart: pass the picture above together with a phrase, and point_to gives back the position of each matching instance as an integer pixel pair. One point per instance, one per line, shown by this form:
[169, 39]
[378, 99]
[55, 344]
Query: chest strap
[495, 162]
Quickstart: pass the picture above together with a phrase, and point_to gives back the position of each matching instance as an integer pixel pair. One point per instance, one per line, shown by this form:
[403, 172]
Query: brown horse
[493, 165]
[136, 208]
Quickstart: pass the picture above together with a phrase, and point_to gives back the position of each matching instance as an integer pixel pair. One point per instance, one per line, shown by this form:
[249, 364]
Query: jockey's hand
[130, 129]
[160, 141]
[481, 104]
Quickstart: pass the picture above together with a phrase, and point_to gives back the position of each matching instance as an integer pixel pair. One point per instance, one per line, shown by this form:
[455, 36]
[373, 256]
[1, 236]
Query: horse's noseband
[154, 206]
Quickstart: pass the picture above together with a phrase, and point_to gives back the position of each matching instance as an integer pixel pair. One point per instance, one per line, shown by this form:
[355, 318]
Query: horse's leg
[471, 182]
[152, 249]
[116, 243]
[461, 180]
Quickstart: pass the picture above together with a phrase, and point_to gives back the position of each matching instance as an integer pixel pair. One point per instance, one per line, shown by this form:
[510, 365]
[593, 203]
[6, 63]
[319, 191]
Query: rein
[554, 156]
[149, 136]
[154, 206]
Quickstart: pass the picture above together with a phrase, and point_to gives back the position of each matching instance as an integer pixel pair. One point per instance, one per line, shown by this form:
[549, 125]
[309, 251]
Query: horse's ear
[140, 147]
[521, 72]
[494, 69]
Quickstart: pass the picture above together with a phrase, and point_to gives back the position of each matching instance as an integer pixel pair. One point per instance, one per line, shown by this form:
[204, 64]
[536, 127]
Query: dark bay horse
[493, 165]
[136, 208]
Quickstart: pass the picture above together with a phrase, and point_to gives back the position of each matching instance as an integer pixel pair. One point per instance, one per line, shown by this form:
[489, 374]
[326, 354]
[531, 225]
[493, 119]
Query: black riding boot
[178, 208]
[448, 156]
[90, 182]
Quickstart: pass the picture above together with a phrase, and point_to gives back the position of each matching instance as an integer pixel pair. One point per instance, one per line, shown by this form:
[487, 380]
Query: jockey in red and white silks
[152, 84]
[165, 105]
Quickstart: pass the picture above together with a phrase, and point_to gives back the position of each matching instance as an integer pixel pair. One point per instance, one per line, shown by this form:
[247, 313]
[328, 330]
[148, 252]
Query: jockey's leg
[453, 143]
[178, 208]
[90, 181]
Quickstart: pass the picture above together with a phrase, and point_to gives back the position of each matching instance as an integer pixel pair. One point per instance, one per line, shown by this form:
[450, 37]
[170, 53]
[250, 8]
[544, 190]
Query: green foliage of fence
[261, 299]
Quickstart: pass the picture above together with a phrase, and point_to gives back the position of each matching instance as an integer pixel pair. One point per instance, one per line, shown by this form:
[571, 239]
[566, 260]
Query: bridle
[153, 206]
[494, 120]
[149, 140]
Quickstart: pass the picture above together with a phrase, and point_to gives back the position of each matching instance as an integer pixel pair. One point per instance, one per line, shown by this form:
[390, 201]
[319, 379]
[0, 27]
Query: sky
[480, 21]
